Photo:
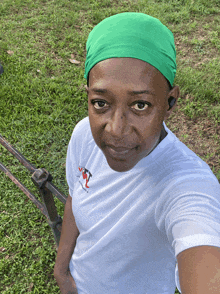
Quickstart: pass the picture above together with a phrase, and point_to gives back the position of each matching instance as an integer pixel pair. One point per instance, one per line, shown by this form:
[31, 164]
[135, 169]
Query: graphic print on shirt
[86, 175]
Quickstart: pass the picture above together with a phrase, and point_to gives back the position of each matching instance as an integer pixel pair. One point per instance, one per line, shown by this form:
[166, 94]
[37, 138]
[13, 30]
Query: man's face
[127, 102]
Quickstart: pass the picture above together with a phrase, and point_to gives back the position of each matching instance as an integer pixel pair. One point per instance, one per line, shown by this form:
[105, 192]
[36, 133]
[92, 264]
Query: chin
[120, 166]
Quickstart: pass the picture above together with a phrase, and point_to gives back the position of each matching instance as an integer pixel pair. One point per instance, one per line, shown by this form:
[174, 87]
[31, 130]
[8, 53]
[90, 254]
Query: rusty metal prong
[59, 227]
[41, 177]
[24, 189]
[56, 192]
[17, 154]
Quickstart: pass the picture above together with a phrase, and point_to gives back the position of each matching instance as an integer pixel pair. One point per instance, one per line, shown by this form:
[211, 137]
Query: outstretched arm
[199, 270]
[67, 244]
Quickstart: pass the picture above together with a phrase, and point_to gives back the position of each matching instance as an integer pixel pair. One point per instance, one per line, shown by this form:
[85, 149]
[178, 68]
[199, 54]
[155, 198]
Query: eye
[98, 104]
[140, 105]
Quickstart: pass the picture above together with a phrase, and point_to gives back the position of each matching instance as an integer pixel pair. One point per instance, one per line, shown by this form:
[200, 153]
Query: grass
[42, 97]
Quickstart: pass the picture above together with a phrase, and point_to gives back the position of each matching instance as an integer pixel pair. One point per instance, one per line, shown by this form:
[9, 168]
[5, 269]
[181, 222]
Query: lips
[119, 148]
[119, 152]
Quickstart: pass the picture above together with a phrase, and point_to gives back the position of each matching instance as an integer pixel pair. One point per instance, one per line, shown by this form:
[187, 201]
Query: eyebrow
[99, 90]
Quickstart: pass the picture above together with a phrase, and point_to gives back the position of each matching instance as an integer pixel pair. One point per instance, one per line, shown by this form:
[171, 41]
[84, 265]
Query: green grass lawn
[42, 97]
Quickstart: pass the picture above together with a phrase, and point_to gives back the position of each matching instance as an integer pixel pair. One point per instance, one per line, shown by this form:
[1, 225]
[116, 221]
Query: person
[143, 211]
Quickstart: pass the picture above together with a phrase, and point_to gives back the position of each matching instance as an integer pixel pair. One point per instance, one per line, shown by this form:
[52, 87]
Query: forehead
[126, 71]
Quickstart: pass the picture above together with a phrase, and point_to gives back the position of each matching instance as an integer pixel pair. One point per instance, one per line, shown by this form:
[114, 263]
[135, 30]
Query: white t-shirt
[134, 224]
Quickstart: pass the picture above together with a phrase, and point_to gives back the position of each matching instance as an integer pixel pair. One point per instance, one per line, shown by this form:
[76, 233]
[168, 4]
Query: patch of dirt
[201, 135]
[201, 51]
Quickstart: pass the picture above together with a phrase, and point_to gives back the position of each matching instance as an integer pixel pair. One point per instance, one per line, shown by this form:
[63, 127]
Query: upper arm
[199, 270]
[68, 239]
[69, 219]
[69, 231]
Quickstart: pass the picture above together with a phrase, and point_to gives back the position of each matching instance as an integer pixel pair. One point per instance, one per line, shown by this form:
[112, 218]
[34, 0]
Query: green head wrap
[135, 35]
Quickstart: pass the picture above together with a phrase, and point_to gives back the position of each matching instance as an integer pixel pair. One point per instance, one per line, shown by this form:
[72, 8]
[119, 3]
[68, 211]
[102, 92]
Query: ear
[173, 95]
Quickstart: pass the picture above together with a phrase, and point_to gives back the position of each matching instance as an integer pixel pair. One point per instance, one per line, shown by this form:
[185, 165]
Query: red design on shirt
[86, 175]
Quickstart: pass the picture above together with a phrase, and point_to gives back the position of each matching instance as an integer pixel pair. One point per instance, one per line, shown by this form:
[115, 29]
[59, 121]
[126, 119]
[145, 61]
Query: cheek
[150, 133]
[149, 128]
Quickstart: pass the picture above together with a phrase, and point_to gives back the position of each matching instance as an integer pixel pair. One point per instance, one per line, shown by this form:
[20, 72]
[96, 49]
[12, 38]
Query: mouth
[120, 152]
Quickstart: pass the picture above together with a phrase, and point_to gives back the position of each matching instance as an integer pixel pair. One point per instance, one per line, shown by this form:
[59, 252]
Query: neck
[163, 134]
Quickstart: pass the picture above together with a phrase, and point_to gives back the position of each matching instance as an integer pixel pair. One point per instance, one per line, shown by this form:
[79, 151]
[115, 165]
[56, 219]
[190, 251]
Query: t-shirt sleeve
[73, 153]
[188, 211]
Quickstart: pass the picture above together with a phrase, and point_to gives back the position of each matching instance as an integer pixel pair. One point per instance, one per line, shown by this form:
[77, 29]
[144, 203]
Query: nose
[118, 125]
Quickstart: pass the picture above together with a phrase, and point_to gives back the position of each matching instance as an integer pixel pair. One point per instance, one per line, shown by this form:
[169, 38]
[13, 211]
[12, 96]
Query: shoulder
[82, 125]
[181, 161]
[81, 143]
[81, 133]
[187, 185]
